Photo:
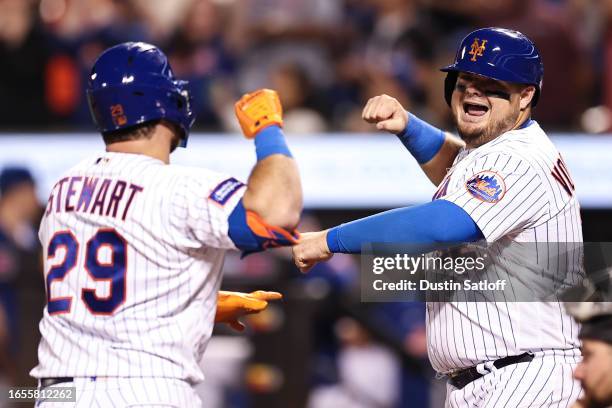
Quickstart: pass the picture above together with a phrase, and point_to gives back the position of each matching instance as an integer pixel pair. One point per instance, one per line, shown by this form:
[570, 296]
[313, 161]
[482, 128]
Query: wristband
[333, 243]
[269, 141]
[421, 139]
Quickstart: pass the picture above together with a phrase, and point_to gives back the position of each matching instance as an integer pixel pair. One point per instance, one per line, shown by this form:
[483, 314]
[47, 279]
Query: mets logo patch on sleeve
[486, 186]
[225, 190]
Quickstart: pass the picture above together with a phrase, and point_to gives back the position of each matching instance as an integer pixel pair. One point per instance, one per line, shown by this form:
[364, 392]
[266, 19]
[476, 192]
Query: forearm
[437, 222]
[436, 168]
[433, 149]
[274, 190]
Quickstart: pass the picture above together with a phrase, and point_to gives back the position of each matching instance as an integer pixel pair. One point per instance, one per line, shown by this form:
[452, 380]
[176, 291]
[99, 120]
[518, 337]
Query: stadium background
[321, 347]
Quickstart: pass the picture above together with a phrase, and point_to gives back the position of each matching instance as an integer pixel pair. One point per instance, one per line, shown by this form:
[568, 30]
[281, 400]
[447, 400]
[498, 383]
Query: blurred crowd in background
[321, 347]
[325, 57]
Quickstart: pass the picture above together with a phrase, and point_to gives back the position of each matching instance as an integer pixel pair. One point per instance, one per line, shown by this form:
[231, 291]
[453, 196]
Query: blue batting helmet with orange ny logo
[497, 53]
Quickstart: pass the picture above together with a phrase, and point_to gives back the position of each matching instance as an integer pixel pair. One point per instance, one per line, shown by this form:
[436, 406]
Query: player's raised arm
[434, 149]
[268, 212]
[274, 191]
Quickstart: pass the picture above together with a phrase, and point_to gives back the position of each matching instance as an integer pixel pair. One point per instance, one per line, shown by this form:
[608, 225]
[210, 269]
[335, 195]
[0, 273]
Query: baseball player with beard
[134, 245]
[504, 182]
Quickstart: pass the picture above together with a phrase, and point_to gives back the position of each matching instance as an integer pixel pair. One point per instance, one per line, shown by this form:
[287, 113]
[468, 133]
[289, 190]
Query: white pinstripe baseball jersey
[517, 190]
[134, 250]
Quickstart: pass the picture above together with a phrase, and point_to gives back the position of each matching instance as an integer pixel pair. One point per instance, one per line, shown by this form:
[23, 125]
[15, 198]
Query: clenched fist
[311, 249]
[386, 112]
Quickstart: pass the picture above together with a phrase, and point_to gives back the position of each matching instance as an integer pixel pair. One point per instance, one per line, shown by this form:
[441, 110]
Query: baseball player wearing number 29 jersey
[134, 246]
[504, 183]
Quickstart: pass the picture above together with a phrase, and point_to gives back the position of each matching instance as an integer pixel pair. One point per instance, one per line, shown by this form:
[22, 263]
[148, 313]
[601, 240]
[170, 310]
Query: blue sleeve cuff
[251, 234]
[269, 141]
[421, 139]
[332, 240]
[239, 231]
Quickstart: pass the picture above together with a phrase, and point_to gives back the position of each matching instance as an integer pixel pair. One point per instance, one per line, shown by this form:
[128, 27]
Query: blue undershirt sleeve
[269, 141]
[250, 233]
[421, 139]
[436, 222]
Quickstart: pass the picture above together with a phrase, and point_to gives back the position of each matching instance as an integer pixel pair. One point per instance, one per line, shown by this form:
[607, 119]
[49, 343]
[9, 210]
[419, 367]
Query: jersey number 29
[112, 272]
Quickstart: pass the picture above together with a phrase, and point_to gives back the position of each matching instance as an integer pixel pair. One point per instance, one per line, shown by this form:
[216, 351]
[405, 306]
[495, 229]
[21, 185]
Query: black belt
[461, 378]
[47, 382]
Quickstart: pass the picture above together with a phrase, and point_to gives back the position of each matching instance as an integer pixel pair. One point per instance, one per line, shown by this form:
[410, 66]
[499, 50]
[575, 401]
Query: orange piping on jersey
[264, 230]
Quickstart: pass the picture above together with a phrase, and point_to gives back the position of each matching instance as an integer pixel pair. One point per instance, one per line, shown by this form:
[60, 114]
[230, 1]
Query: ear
[526, 96]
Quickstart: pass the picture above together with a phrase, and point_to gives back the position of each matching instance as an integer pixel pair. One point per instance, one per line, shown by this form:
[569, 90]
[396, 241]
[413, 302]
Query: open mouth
[474, 109]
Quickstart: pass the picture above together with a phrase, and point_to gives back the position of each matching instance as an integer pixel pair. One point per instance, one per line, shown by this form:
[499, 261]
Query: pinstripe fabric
[544, 382]
[129, 393]
[534, 208]
[176, 240]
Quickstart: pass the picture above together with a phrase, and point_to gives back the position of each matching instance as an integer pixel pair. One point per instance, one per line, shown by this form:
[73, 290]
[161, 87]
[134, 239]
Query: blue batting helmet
[131, 84]
[497, 53]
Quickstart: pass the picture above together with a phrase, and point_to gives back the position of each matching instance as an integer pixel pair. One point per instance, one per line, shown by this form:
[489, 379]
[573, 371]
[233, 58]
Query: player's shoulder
[193, 174]
[197, 181]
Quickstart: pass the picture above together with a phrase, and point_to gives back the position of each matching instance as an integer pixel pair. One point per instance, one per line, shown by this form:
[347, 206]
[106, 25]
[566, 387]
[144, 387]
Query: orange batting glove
[258, 110]
[231, 306]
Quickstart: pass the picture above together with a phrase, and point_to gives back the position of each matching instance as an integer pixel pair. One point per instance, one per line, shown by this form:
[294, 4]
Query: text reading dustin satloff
[468, 272]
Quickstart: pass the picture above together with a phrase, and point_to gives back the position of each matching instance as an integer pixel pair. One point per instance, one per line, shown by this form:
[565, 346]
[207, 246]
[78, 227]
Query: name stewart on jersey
[93, 195]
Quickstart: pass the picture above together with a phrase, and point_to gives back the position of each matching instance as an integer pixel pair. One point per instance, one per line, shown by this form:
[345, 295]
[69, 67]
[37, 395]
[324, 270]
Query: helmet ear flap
[449, 86]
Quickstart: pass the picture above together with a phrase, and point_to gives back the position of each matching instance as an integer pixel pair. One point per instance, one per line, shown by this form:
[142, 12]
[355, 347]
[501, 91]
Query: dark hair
[142, 131]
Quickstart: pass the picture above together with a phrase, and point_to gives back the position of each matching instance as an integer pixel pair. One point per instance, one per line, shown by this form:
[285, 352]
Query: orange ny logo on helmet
[118, 115]
[477, 49]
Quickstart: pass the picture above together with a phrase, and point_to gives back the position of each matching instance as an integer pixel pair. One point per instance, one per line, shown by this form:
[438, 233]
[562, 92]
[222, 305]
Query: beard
[493, 129]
